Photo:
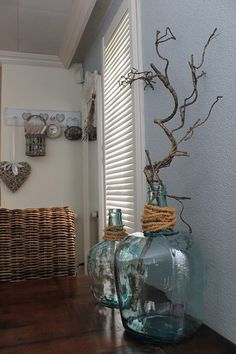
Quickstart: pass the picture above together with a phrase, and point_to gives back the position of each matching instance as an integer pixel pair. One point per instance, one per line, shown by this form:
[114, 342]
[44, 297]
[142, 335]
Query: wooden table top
[60, 316]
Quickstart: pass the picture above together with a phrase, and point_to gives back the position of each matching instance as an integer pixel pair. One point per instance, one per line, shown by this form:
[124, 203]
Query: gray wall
[93, 57]
[209, 174]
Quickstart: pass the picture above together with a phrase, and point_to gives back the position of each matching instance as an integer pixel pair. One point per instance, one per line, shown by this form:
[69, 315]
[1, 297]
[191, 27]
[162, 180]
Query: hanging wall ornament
[73, 130]
[12, 173]
[90, 131]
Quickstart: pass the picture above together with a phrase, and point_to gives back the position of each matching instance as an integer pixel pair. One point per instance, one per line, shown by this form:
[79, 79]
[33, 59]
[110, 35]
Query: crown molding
[78, 19]
[8, 57]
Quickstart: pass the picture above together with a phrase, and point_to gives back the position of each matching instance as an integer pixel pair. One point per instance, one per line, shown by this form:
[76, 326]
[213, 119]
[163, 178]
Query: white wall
[209, 175]
[56, 179]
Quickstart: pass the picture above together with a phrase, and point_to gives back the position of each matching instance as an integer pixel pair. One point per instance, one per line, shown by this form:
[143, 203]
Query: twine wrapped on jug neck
[157, 218]
[112, 234]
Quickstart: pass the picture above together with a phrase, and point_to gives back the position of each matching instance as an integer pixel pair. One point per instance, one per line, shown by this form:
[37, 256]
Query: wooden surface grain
[60, 316]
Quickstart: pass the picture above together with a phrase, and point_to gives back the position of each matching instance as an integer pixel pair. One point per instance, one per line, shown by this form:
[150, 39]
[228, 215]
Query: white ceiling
[49, 32]
[33, 26]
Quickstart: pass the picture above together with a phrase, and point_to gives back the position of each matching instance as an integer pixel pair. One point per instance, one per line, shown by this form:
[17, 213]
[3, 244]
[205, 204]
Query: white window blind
[119, 145]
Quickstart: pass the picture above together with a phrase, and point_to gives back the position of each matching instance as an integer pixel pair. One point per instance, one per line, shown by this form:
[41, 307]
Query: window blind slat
[124, 25]
[113, 193]
[114, 75]
[119, 180]
[121, 186]
[115, 97]
[120, 145]
[111, 88]
[114, 130]
[118, 57]
[119, 139]
[119, 108]
[110, 162]
[120, 117]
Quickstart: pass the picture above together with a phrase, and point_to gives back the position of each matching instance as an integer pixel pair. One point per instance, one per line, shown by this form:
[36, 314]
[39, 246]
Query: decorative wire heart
[60, 117]
[45, 116]
[11, 180]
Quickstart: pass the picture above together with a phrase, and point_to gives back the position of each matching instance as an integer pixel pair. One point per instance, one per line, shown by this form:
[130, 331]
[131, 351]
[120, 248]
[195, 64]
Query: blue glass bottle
[100, 264]
[159, 282]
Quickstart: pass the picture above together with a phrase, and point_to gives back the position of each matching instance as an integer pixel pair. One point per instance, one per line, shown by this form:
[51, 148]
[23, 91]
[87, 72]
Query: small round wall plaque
[53, 130]
[73, 133]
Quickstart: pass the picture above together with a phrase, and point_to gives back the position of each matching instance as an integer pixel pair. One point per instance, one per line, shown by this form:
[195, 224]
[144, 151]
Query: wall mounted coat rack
[17, 117]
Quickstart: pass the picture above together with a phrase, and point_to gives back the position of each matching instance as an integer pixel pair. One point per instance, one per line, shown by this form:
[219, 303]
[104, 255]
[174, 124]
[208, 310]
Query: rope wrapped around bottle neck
[156, 218]
[111, 234]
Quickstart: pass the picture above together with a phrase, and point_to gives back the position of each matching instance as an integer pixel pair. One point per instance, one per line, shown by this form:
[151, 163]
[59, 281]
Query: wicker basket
[37, 243]
[35, 143]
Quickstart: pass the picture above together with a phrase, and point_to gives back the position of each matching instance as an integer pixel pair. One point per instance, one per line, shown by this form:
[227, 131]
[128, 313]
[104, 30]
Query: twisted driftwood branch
[212, 36]
[152, 170]
[164, 79]
[134, 75]
[198, 123]
[148, 76]
[163, 39]
[188, 101]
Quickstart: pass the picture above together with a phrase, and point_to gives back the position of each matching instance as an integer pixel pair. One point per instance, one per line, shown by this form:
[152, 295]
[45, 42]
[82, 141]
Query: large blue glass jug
[159, 280]
[100, 264]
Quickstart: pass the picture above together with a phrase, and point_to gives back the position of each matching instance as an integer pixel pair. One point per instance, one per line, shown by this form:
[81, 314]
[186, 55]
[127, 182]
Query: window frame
[133, 6]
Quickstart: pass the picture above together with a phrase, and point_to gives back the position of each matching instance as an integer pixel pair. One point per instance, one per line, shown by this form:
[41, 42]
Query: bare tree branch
[198, 123]
[148, 77]
[164, 77]
[212, 36]
[190, 99]
[134, 75]
[150, 173]
[172, 91]
[188, 102]
[153, 168]
[166, 161]
[163, 39]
